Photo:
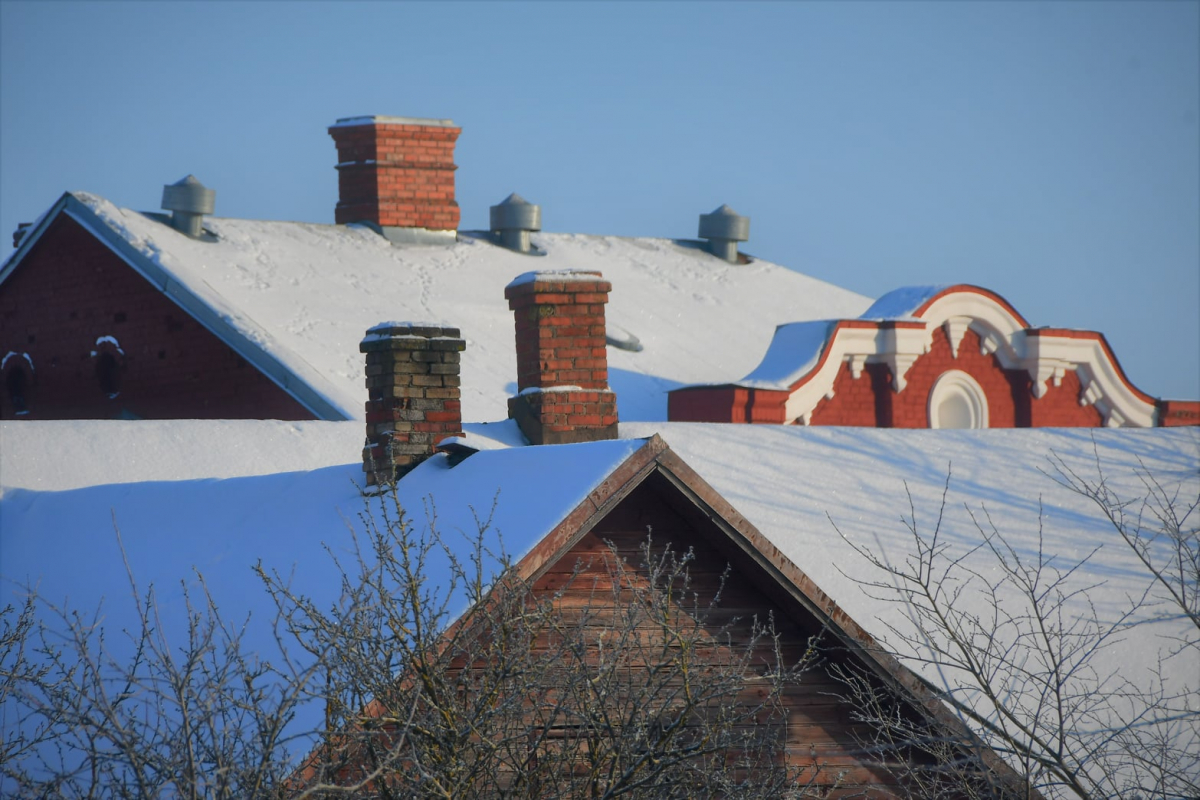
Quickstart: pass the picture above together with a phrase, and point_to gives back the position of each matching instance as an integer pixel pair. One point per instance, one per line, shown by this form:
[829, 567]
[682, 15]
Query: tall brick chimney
[413, 395]
[397, 173]
[562, 366]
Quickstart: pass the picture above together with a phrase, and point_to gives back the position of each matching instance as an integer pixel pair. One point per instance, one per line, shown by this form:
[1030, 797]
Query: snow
[552, 389]
[55, 456]
[793, 352]
[306, 293]
[558, 275]
[219, 496]
[794, 483]
[902, 303]
[108, 340]
[14, 354]
[66, 545]
[348, 122]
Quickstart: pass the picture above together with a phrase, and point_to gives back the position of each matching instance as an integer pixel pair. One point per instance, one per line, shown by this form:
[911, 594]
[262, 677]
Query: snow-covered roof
[302, 294]
[191, 497]
[202, 494]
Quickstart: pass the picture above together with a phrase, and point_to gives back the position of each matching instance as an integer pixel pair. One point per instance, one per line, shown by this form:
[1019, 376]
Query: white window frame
[956, 383]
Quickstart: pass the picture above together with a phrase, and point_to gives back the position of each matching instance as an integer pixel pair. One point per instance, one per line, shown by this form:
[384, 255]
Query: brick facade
[68, 294]
[414, 399]
[871, 400]
[396, 174]
[562, 363]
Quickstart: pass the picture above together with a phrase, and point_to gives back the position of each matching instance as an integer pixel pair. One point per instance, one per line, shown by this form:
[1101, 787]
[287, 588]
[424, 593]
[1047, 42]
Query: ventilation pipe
[513, 220]
[724, 228]
[188, 201]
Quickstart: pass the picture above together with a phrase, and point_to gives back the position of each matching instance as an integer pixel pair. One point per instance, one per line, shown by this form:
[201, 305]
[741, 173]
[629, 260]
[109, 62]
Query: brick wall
[910, 408]
[708, 404]
[862, 401]
[398, 175]
[1178, 412]
[71, 290]
[1059, 407]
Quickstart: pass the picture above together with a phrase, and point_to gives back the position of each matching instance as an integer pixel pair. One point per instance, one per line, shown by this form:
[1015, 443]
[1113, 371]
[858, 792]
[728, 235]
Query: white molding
[956, 329]
[956, 383]
[899, 364]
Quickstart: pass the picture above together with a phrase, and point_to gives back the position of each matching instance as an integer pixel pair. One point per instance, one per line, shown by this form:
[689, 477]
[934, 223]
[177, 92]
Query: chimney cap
[188, 195]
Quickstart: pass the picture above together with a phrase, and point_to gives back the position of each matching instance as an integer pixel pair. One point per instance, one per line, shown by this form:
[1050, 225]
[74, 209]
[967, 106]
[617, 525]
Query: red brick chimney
[396, 172]
[562, 366]
[413, 395]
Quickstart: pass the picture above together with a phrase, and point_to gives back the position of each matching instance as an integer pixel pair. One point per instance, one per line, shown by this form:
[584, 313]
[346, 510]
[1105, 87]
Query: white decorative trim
[856, 361]
[1089, 390]
[956, 329]
[1043, 370]
[989, 343]
[957, 385]
[899, 364]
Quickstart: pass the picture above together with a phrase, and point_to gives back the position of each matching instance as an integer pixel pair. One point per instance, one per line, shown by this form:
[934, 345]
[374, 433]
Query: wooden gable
[737, 576]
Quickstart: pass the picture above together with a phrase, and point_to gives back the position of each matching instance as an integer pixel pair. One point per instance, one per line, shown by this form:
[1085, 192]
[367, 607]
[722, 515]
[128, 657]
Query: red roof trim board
[804, 359]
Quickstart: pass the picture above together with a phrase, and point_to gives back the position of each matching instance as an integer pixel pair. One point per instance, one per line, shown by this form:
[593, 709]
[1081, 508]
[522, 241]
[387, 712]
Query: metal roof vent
[513, 220]
[724, 228]
[188, 201]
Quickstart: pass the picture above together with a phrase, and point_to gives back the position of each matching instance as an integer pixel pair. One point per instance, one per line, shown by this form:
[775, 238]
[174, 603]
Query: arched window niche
[110, 362]
[957, 401]
[16, 370]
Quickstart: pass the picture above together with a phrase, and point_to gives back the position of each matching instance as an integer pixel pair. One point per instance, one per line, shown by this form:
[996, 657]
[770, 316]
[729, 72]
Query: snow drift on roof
[901, 303]
[794, 351]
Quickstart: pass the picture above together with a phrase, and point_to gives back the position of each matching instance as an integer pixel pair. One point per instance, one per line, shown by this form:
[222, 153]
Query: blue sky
[1047, 151]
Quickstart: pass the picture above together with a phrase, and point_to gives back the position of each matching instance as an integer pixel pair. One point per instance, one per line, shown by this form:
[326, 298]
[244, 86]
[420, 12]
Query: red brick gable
[91, 326]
